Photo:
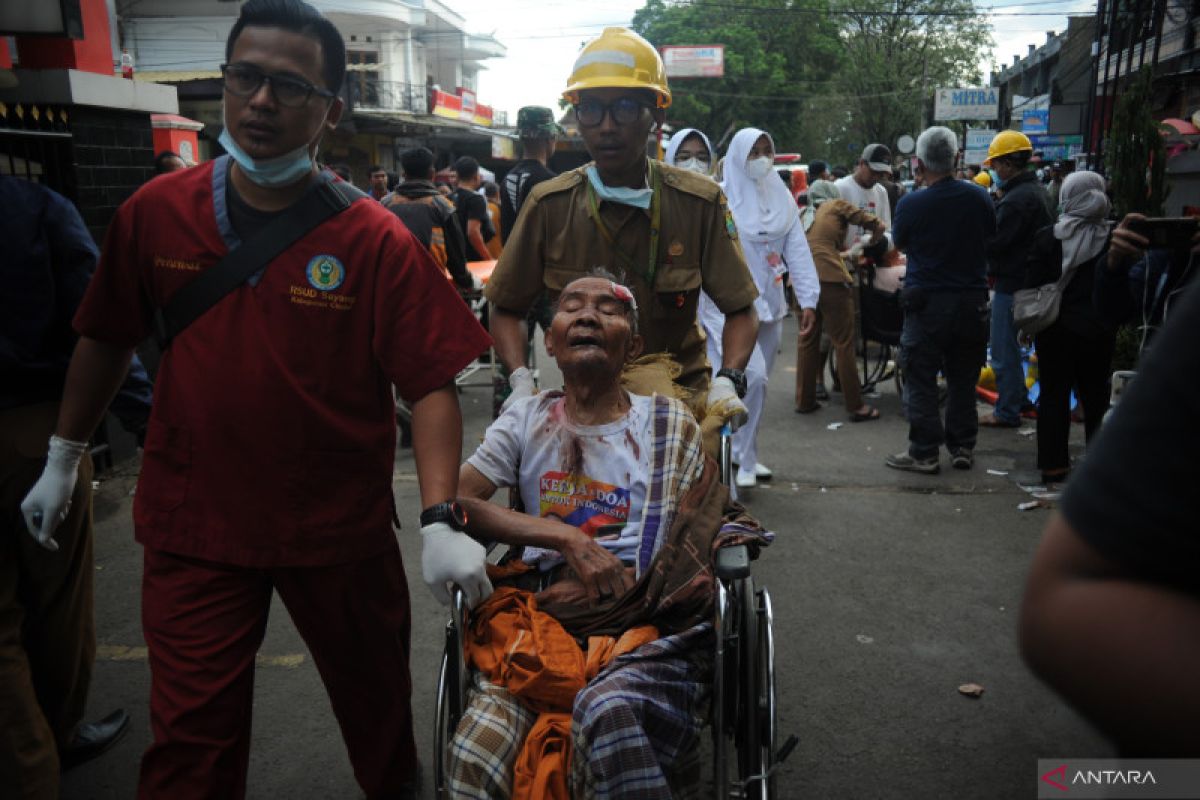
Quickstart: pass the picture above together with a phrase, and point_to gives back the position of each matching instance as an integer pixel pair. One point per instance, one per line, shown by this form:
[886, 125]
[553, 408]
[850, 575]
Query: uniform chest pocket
[556, 277]
[676, 291]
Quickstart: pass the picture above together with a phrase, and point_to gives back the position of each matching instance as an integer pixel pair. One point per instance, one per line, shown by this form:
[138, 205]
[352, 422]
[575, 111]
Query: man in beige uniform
[666, 229]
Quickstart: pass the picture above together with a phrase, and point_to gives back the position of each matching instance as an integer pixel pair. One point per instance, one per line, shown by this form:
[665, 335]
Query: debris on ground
[971, 690]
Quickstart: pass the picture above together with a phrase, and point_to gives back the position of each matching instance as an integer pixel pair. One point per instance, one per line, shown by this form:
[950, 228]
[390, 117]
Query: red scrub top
[272, 436]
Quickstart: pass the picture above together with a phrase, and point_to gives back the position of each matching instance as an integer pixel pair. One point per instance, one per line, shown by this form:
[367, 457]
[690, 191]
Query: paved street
[890, 591]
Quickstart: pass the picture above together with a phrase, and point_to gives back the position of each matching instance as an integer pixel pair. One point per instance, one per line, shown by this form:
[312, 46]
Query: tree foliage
[824, 76]
[1135, 154]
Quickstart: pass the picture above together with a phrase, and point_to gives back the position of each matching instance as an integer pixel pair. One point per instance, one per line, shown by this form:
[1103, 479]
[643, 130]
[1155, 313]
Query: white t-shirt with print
[874, 200]
[586, 475]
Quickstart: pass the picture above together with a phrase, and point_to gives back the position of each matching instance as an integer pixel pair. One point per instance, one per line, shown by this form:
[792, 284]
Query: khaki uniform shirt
[827, 234]
[556, 241]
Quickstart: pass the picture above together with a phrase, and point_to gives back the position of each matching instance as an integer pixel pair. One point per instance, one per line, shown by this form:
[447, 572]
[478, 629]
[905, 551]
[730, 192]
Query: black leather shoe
[93, 738]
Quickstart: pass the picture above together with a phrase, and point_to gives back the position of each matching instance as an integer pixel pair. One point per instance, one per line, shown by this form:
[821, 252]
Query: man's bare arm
[601, 572]
[475, 235]
[1120, 647]
[95, 374]
[437, 444]
[738, 338]
[508, 336]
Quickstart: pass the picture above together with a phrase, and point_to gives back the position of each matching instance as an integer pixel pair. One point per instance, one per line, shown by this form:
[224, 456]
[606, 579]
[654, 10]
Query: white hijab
[1083, 226]
[763, 210]
[679, 138]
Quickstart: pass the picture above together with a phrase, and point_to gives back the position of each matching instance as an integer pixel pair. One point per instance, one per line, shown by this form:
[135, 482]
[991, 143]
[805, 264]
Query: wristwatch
[449, 512]
[737, 377]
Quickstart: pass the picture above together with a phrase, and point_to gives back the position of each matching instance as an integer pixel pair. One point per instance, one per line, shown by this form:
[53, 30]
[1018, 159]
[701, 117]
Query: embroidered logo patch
[730, 227]
[325, 273]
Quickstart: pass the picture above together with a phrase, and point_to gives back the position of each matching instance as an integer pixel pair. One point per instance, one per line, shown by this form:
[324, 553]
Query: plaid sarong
[635, 728]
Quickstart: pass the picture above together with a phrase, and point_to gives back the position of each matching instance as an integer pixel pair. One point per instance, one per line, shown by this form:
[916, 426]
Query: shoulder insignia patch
[730, 227]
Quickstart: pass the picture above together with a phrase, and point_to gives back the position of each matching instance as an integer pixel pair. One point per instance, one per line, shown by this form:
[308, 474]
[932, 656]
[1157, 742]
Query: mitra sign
[981, 104]
[706, 61]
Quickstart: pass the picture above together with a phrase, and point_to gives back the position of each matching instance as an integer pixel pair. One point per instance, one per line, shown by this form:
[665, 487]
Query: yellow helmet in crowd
[1007, 142]
[984, 180]
[618, 58]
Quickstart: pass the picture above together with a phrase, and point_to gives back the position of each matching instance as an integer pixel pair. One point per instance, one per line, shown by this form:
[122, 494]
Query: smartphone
[1171, 233]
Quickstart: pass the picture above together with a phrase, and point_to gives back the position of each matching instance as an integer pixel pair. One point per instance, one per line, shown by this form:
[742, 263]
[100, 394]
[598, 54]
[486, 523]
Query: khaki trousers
[47, 638]
[835, 314]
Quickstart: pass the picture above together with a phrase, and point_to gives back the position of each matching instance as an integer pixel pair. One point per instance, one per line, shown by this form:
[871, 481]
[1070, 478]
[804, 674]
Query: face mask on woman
[700, 165]
[758, 168]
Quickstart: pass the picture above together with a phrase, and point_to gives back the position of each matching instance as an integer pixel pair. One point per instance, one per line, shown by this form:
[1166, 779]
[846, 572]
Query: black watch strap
[737, 377]
[449, 512]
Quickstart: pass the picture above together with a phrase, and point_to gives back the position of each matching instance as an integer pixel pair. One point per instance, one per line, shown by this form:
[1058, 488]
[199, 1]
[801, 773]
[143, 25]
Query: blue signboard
[1036, 121]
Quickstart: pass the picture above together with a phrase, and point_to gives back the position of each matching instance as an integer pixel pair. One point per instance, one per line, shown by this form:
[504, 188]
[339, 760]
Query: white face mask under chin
[758, 168]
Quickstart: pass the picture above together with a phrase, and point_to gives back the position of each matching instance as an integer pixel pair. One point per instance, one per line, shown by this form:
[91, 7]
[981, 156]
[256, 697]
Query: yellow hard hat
[1006, 142]
[984, 180]
[618, 58]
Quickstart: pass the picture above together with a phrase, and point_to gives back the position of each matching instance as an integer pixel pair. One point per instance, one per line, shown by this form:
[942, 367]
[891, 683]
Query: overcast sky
[544, 36]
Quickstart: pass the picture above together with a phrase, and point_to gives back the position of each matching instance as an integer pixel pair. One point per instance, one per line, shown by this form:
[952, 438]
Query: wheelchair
[742, 716]
[880, 322]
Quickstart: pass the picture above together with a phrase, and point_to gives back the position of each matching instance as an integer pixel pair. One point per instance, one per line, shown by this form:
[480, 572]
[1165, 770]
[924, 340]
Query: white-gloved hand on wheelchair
[449, 556]
[47, 504]
[724, 402]
[521, 381]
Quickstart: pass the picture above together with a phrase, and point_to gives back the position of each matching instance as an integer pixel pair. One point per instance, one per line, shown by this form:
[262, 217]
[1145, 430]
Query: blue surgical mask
[638, 198]
[271, 172]
[997, 181]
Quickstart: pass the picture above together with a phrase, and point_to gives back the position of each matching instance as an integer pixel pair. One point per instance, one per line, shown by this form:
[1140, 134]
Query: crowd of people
[269, 447]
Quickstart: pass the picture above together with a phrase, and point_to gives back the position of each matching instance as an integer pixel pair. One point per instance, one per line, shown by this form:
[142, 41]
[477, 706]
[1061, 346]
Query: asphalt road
[890, 591]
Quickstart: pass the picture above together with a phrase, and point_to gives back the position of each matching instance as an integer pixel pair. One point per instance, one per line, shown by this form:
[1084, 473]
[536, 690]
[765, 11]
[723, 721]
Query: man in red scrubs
[268, 457]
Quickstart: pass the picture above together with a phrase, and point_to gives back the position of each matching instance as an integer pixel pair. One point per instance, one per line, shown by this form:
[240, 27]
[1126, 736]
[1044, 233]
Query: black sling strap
[326, 199]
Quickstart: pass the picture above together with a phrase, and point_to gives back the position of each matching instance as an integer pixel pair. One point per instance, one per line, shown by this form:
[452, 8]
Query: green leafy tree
[1135, 155]
[824, 76]
[897, 53]
[771, 53]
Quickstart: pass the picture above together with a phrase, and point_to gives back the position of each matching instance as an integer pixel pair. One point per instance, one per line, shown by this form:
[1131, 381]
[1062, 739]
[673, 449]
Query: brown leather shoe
[992, 421]
[93, 738]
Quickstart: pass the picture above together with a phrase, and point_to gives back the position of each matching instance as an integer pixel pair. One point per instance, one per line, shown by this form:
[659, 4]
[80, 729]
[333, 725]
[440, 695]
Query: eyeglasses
[624, 111]
[244, 80]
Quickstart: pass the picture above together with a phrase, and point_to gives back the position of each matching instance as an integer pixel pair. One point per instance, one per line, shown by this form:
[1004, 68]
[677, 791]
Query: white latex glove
[47, 504]
[724, 402]
[521, 381]
[452, 557]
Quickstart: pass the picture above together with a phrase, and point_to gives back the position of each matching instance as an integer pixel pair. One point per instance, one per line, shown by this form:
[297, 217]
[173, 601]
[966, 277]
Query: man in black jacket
[1020, 214]
[429, 215]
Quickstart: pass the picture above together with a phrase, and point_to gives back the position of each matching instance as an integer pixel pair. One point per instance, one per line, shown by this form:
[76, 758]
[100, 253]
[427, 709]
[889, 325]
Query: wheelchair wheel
[875, 364]
[748, 733]
[451, 692]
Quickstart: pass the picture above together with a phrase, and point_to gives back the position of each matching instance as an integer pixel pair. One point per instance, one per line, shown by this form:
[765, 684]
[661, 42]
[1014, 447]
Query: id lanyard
[655, 224]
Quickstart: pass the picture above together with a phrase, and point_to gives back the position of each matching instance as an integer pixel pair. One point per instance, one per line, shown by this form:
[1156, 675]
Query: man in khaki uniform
[666, 229]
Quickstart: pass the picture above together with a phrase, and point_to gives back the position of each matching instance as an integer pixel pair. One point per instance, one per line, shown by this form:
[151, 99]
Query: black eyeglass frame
[610, 109]
[274, 80]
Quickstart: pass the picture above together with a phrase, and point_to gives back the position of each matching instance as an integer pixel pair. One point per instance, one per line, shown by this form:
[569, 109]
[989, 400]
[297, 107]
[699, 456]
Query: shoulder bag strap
[328, 198]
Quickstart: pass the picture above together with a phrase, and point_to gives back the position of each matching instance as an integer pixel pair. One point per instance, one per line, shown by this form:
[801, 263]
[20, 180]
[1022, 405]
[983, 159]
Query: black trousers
[944, 332]
[1069, 361]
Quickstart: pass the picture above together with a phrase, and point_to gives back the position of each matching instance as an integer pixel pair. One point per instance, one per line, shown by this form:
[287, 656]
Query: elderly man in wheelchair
[592, 660]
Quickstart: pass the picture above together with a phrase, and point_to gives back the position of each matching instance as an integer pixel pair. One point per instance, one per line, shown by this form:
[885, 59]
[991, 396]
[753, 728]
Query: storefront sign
[707, 61]
[981, 104]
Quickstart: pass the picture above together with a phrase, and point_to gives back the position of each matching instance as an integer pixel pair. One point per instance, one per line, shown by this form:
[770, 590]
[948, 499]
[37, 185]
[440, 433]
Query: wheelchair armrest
[733, 562]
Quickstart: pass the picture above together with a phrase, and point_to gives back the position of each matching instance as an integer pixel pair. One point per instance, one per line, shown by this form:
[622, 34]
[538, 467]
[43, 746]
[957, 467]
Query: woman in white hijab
[690, 149]
[1076, 350]
[768, 224]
